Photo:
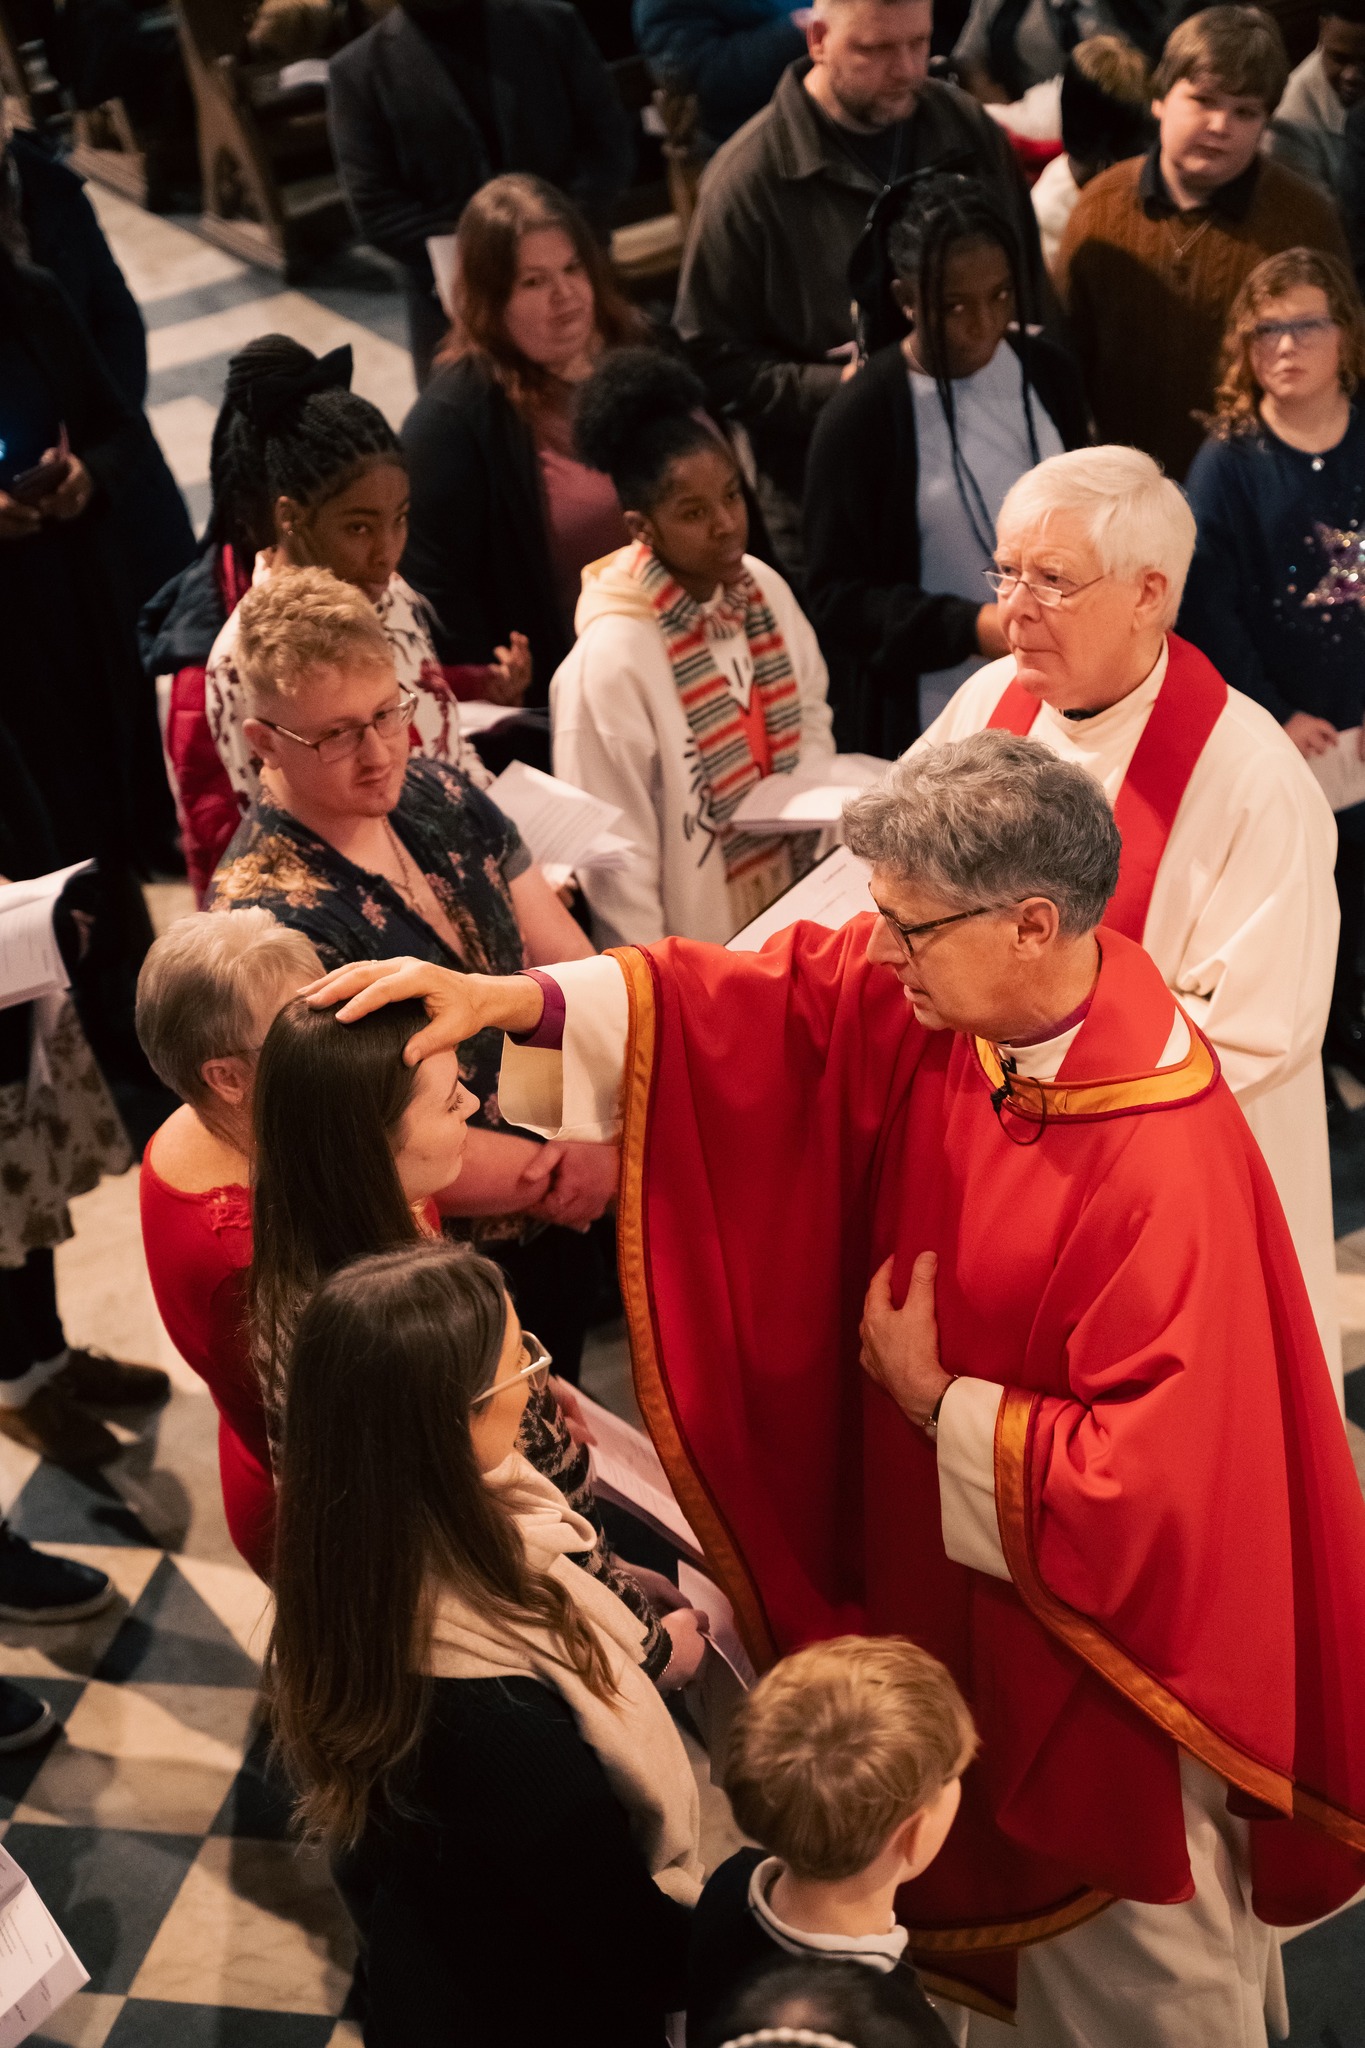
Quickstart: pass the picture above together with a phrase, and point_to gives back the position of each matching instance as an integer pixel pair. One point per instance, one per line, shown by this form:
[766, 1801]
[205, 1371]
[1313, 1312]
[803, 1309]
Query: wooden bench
[271, 192]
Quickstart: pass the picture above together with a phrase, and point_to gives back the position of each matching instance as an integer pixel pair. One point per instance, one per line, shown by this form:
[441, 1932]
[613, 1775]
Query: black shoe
[36, 1587]
[1344, 1044]
[24, 1718]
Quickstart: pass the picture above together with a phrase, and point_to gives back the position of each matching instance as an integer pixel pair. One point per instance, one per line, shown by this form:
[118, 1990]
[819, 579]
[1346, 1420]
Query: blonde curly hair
[1237, 400]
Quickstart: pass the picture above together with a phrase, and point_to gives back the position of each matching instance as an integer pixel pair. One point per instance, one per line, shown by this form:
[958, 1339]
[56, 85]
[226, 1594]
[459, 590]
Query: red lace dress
[198, 1249]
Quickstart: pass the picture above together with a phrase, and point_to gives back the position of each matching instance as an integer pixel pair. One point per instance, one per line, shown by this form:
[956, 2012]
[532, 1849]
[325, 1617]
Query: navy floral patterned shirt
[466, 848]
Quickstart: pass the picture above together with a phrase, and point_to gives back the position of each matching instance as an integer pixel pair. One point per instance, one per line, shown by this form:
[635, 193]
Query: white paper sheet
[626, 1470]
[39, 1969]
[303, 71]
[558, 822]
[1340, 771]
[722, 1628]
[832, 893]
[441, 254]
[477, 714]
[809, 798]
[30, 962]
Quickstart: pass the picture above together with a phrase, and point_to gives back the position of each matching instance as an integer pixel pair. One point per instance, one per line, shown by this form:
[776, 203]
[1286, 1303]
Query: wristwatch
[931, 1426]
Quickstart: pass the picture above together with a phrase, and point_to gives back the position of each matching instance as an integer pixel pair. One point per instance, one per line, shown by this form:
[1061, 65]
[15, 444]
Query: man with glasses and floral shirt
[1228, 842]
[368, 849]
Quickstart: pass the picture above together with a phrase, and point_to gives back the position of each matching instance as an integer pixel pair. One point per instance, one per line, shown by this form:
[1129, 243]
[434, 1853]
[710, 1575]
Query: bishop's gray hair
[990, 820]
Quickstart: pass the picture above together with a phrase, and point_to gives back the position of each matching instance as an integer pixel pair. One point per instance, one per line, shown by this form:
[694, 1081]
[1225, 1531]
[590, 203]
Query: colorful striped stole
[717, 725]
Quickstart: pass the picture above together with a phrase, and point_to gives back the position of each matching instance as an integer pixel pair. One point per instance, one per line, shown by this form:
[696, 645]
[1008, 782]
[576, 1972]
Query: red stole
[1188, 706]
[1178, 1508]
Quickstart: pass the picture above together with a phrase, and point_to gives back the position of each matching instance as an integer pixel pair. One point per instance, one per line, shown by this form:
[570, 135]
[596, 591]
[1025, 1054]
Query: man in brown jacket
[764, 301]
[1157, 247]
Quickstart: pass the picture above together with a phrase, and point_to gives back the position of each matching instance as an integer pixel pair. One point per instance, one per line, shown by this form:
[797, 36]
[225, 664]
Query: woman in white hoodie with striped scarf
[512, 1815]
[695, 672]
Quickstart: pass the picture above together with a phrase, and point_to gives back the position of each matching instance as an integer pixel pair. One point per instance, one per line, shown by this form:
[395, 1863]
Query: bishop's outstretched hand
[457, 1004]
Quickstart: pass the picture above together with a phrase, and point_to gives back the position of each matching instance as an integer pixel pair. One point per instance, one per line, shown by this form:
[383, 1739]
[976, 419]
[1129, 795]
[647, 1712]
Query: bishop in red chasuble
[1138, 1541]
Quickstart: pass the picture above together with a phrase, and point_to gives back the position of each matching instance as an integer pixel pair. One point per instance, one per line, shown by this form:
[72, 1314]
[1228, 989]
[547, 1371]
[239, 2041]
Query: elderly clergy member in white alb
[1228, 843]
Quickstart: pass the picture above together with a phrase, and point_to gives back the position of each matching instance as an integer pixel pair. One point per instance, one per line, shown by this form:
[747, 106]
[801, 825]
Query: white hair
[201, 982]
[1134, 517]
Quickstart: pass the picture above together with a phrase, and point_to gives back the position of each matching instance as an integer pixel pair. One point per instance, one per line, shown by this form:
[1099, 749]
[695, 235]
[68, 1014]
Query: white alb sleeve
[576, 1093]
[966, 1475]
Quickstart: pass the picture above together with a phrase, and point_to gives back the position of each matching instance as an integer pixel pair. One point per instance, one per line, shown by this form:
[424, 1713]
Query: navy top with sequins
[1276, 596]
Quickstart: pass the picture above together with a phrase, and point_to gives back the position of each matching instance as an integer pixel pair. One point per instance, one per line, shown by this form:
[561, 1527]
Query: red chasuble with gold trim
[1177, 1502]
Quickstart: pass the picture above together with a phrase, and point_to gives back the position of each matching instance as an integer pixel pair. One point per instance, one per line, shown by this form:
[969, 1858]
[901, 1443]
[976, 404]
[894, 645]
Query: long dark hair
[381, 1504]
[940, 213]
[289, 427]
[488, 245]
[328, 1101]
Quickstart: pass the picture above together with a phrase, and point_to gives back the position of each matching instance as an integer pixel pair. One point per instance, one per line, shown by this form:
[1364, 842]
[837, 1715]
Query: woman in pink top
[504, 517]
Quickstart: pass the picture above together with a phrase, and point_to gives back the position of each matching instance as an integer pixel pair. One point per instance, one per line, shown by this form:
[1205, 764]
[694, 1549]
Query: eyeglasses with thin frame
[389, 723]
[908, 933]
[1056, 591]
[1314, 327]
[536, 1370]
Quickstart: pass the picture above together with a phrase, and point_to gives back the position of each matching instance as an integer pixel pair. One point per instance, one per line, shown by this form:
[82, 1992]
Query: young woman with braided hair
[327, 470]
[694, 674]
[303, 472]
[911, 461]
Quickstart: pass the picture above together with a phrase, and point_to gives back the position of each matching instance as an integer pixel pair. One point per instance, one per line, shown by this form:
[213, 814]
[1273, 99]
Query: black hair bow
[878, 319]
[281, 391]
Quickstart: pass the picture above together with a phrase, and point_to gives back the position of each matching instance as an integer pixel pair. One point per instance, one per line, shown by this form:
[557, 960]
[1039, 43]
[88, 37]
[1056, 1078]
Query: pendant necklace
[407, 891]
[1182, 249]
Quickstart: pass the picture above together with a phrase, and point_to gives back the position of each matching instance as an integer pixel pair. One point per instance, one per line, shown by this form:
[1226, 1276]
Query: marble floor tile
[108, 1889]
[236, 1596]
[259, 1806]
[155, 1758]
[172, 1637]
[383, 371]
[60, 1507]
[184, 428]
[17, 1467]
[144, 2023]
[257, 1924]
[157, 257]
[83, 2022]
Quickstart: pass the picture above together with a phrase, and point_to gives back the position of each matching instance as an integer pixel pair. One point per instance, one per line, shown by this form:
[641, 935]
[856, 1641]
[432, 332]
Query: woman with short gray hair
[208, 992]
[993, 820]
[1228, 843]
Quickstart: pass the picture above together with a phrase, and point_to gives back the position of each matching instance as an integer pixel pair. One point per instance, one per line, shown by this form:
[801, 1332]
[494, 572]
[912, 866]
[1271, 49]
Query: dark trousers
[427, 326]
[1350, 880]
[30, 1327]
[555, 1280]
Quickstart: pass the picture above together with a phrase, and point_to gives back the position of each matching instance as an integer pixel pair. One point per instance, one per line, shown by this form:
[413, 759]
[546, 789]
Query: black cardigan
[477, 545]
[878, 628]
[507, 1902]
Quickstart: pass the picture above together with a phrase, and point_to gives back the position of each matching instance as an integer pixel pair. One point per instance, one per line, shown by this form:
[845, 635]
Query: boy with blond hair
[845, 1763]
[1157, 247]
